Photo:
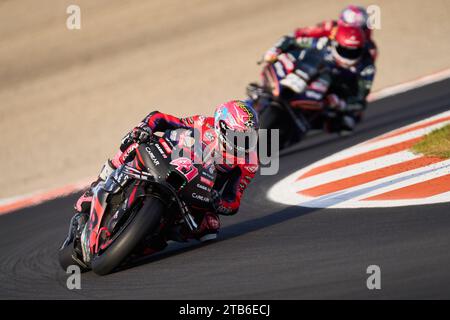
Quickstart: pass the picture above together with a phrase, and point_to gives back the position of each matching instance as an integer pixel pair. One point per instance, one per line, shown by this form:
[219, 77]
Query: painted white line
[355, 169]
[440, 196]
[350, 198]
[409, 178]
[288, 190]
[356, 194]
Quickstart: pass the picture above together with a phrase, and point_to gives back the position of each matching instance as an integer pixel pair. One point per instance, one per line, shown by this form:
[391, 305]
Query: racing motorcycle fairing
[156, 171]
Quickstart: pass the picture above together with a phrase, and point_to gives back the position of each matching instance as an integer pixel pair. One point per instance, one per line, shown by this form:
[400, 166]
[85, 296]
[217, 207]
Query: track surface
[268, 250]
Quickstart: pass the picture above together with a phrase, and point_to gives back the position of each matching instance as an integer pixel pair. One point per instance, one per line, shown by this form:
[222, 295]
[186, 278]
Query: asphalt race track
[267, 251]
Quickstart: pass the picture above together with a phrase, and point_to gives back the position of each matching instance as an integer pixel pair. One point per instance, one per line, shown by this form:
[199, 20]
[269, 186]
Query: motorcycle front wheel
[144, 221]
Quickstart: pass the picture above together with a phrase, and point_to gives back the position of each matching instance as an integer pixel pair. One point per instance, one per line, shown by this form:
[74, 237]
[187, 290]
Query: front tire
[145, 221]
[67, 258]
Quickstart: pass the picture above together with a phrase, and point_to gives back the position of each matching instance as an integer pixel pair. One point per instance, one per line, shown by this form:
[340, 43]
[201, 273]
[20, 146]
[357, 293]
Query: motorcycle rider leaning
[350, 16]
[345, 78]
[235, 170]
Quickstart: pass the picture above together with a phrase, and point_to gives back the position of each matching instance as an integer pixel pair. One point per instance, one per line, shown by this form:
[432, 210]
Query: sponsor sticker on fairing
[203, 187]
[165, 145]
[161, 151]
[200, 197]
[319, 85]
[152, 156]
[207, 182]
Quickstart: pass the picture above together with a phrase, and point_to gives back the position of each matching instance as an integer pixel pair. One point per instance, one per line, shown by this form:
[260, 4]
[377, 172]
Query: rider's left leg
[209, 227]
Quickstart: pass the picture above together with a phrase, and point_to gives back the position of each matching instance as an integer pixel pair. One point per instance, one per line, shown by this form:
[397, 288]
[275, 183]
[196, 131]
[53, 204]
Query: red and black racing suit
[328, 29]
[351, 85]
[231, 179]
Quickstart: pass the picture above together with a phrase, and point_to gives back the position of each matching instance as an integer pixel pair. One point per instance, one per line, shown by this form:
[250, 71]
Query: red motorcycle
[279, 99]
[138, 205]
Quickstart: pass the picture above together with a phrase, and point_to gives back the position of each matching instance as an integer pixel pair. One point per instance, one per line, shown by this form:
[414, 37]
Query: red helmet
[348, 45]
[236, 124]
[353, 16]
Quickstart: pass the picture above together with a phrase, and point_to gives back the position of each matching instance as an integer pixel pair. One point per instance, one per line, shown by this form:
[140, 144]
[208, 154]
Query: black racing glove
[140, 134]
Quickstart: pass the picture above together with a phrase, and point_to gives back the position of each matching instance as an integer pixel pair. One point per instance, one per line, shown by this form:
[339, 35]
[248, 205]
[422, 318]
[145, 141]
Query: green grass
[435, 144]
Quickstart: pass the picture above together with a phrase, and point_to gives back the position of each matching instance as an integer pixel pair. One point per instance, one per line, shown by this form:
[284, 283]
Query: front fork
[114, 183]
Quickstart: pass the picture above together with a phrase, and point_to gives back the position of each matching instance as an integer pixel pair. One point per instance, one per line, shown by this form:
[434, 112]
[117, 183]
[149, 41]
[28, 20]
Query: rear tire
[144, 222]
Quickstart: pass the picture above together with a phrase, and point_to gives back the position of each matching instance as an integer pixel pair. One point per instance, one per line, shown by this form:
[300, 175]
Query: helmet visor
[240, 141]
[349, 53]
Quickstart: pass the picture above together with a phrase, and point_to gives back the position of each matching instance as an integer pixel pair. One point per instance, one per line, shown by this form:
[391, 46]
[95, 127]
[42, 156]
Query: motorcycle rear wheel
[273, 117]
[145, 221]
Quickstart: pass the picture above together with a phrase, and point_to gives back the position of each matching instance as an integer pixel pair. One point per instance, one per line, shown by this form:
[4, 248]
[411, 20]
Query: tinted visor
[239, 141]
[349, 53]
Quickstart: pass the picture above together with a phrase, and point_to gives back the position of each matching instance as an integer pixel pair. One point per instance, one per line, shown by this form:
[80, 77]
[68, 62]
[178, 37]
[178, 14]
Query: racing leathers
[328, 28]
[232, 175]
[342, 90]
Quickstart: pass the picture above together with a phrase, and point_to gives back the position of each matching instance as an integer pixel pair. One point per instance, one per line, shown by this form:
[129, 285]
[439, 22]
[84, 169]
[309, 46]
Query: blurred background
[68, 96]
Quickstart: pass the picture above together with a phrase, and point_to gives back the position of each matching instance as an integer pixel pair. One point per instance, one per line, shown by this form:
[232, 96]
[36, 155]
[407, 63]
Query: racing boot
[209, 227]
[83, 204]
[207, 230]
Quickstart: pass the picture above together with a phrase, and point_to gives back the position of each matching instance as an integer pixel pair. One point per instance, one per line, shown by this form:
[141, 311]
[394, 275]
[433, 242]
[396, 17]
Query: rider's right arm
[285, 43]
[306, 37]
[322, 29]
[288, 43]
[158, 121]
